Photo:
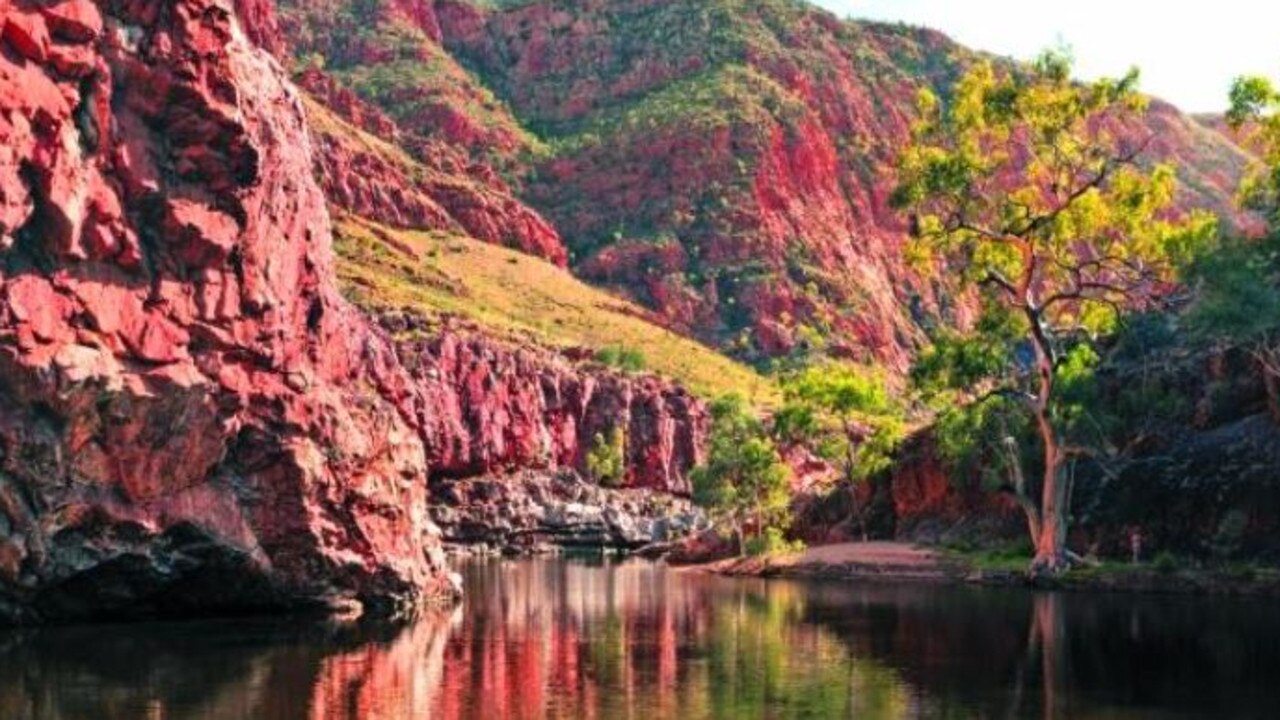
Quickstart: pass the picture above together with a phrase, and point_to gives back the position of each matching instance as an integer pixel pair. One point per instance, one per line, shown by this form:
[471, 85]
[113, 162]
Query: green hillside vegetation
[725, 96]
[520, 297]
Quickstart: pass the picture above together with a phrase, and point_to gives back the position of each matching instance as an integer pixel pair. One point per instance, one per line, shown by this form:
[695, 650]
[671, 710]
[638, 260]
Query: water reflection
[571, 639]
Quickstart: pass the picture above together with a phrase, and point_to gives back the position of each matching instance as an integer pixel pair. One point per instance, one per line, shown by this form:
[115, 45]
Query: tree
[846, 414]
[1255, 113]
[1238, 285]
[607, 458]
[1029, 185]
[743, 484]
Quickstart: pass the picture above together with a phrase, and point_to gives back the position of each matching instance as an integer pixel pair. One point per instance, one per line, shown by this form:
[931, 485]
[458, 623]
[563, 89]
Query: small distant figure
[1135, 544]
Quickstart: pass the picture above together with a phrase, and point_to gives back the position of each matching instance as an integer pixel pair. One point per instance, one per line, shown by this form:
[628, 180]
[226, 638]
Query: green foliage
[1255, 103]
[1237, 292]
[1027, 181]
[621, 357]
[607, 458]
[971, 436]
[795, 423]
[773, 541]
[1166, 563]
[743, 484]
[846, 412]
[957, 361]
[1228, 538]
[1031, 185]
[726, 95]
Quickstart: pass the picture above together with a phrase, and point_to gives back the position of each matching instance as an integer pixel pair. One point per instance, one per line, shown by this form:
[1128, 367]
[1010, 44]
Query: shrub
[1166, 562]
[621, 357]
[1229, 537]
[606, 460]
[743, 484]
[772, 542]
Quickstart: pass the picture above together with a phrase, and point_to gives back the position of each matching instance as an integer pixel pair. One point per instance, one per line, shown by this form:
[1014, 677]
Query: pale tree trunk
[1046, 655]
[850, 463]
[1051, 542]
[1050, 626]
[1020, 494]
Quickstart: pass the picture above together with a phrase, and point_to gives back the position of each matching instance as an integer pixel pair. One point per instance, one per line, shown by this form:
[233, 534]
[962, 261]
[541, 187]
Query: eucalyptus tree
[1034, 187]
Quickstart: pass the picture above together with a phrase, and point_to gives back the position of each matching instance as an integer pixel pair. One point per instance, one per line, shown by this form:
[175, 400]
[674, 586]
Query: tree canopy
[845, 412]
[1255, 112]
[743, 484]
[1033, 187]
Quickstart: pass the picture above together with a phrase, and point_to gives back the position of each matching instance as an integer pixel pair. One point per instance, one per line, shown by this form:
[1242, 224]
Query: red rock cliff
[485, 406]
[190, 416]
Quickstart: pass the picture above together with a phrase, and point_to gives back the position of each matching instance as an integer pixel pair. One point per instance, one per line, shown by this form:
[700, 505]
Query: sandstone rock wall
[190, 416]
[484, 407]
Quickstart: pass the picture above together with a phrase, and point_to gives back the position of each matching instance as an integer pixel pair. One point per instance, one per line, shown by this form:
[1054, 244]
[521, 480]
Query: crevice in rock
[89, 134]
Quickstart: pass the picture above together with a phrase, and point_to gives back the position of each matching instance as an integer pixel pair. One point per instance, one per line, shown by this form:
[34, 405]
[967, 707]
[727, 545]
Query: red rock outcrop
[191, 418]
[484, 407]
[368, 166]
[1198, 482]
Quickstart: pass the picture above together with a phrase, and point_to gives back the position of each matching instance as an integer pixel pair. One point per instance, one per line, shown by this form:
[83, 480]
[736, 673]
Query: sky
[1188, 50]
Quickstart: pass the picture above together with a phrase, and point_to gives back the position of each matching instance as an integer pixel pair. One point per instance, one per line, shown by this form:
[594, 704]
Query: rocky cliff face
[368, 166]
[191, 417]
[725, 162]
[486, 407]
[420, 142]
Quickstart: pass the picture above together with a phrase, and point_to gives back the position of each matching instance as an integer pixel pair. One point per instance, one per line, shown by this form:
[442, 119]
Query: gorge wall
[729, 162]
[486, 407]
[191, 417]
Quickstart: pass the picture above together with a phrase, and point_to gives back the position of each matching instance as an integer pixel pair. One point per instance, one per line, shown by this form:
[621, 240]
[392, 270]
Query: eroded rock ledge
[534, 511]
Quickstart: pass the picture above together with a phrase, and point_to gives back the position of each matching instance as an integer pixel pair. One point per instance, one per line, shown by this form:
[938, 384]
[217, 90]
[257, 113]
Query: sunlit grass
[520, 297]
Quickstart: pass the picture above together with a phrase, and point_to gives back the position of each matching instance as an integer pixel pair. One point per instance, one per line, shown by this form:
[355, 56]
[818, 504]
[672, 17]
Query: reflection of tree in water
[987, 653]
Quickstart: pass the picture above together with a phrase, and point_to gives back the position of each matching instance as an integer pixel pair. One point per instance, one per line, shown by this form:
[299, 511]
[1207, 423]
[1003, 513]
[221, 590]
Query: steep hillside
[728, 162]
[364, 167]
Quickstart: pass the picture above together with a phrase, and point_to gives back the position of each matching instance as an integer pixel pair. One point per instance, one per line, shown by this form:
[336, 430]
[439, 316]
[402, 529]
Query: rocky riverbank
[903, 562]
[536, 511]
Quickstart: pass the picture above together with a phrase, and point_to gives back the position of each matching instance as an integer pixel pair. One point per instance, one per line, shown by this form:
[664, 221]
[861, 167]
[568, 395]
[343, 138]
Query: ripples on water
[580, 639]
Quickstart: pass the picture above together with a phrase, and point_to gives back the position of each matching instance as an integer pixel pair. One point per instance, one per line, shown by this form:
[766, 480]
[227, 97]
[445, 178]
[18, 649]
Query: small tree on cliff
[845, 413]
[744, 484]
[1028, 184]
[607, 458]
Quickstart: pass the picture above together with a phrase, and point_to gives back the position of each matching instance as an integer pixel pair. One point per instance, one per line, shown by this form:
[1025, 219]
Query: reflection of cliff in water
[232, 669]
[637, 640]
[564, 639]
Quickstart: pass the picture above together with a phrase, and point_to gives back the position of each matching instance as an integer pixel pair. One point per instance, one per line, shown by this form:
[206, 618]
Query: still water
[564, 638]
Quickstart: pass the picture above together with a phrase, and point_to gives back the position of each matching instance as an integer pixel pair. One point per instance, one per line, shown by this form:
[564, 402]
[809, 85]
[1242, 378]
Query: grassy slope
[517, 296]
[509, 293]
